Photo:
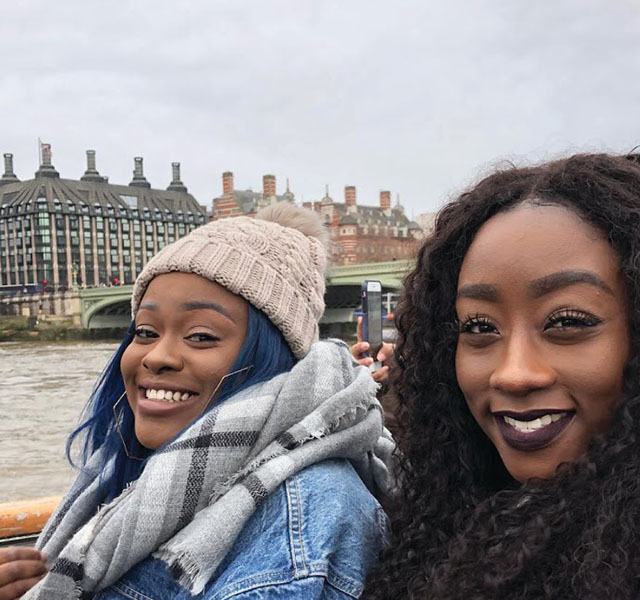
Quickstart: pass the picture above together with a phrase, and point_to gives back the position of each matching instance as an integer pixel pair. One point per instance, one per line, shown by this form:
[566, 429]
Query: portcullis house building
[88, 232]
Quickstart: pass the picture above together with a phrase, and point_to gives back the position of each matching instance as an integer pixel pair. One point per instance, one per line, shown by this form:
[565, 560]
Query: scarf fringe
[184, 568]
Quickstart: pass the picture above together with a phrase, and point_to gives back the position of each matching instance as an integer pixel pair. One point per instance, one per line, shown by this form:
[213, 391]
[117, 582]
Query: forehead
[177, 289]
[532, 241]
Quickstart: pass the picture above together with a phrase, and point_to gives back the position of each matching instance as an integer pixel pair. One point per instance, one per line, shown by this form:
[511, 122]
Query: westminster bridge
[100, 307]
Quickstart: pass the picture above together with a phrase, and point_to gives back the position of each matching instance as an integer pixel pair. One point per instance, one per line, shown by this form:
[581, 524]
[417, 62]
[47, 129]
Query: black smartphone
[371, 292]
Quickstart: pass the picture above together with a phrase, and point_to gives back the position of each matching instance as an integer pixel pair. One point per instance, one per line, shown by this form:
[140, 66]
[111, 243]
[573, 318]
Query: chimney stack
[350, 195]
[227, 183]
[91, 174]
[9, 176]
[139, 180]
[46, 168]
[176, 185]
[268, 186]
[385, 200]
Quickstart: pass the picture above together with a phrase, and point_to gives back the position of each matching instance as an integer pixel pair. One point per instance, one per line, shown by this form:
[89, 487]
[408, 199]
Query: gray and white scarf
[195, 495]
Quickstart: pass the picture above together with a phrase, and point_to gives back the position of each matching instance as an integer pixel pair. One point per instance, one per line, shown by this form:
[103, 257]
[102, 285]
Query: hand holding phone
[371, 293]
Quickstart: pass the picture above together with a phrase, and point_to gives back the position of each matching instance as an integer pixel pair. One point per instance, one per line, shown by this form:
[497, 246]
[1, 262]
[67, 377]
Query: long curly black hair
[463, 528]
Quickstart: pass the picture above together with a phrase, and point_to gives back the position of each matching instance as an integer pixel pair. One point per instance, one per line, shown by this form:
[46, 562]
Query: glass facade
[45, 240]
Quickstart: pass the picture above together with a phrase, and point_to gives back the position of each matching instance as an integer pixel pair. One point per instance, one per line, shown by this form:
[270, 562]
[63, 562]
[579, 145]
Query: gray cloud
[410, 96]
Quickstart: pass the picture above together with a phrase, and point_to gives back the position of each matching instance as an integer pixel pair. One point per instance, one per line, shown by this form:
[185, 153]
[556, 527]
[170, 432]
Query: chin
[531, 469]
[150, 441]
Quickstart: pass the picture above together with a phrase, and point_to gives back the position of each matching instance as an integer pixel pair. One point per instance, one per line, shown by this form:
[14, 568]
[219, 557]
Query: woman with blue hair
[224, 454]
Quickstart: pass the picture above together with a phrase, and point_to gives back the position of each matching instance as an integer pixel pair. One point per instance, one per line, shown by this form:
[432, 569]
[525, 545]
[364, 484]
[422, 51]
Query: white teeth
[529, 426]
[167, 395]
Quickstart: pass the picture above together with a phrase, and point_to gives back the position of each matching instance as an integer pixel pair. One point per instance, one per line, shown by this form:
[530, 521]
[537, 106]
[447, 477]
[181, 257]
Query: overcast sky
[418, 97]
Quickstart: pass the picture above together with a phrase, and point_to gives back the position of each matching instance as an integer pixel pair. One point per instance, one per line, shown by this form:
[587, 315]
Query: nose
[522, 368]
[163, 355]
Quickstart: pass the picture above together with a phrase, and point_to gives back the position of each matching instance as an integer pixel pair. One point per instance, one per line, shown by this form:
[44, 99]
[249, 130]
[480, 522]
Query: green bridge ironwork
[343, 285]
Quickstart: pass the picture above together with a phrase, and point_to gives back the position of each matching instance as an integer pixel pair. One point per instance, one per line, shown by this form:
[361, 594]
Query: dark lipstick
[532, 440]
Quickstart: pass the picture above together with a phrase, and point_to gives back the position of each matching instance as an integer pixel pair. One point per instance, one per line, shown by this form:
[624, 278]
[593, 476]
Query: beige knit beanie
[276, 261]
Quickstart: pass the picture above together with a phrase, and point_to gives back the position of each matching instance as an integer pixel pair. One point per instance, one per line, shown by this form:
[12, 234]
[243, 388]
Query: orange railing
[22, 521]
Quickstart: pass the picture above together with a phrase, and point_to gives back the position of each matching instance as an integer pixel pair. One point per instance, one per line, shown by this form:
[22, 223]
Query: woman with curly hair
[518, 384]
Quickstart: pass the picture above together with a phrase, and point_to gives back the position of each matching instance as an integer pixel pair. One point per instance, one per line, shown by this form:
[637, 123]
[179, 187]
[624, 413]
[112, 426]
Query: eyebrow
[194, 305]
[539, 287]
[555, 281]
[479, 291]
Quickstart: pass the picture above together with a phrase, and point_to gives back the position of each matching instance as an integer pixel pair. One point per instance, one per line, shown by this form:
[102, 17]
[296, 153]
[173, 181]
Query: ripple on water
[43, 388]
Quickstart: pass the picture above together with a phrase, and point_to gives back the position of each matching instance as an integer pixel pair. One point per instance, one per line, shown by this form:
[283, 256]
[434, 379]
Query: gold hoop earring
[213, 395]
[116, 421]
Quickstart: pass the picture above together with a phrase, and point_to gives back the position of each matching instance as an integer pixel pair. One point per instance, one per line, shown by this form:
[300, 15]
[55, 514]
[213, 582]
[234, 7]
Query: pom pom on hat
[275, 261]
[289, 215]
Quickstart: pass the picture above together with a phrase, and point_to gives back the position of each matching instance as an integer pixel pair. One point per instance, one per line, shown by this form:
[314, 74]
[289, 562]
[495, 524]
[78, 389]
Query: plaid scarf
[195, 495]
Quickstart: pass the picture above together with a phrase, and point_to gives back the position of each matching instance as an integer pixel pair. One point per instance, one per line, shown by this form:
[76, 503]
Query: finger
[359, 330]
[381, 374]
[358, 349]
[18, 588]
[388, 348]
[14, 553]
[386, 351]
[20, 569]
[365, 362]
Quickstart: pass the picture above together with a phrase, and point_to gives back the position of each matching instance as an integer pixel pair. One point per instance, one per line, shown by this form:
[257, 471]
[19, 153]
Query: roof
[95, 197]
[248, 200]
[372, 215]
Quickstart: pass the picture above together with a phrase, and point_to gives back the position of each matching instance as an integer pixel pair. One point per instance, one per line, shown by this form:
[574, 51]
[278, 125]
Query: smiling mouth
[165, 395]
[534, 429]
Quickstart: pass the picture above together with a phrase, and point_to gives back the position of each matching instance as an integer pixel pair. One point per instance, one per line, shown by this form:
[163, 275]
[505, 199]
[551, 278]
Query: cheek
[128, 362]
[598, 391]
[472, 372]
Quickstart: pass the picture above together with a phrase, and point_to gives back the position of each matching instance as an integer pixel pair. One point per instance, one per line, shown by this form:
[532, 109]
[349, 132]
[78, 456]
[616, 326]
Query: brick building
[359, 234]
[362, 234]
[88, 231]
[236, 203]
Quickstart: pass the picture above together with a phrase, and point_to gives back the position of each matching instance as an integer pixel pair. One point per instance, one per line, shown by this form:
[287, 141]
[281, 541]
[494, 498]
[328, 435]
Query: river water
[43, 387]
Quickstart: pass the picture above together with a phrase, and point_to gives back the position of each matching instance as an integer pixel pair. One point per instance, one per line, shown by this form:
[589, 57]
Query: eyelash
[208, 337]
[476, 320]
[147, 334]
[577, 318]
[565, 318]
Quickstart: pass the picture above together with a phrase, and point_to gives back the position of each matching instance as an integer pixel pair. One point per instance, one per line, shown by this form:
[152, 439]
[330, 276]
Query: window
[130, 201]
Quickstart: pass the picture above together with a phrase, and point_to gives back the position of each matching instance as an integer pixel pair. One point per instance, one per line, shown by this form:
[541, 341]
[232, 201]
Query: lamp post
[74, 276]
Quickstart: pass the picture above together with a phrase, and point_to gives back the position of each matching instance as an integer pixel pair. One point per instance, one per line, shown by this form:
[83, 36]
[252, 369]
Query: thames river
[43, 387]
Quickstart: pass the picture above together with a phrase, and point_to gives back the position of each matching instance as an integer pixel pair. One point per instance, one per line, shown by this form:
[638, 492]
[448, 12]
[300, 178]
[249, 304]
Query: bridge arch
[109, 306]
[106, 307]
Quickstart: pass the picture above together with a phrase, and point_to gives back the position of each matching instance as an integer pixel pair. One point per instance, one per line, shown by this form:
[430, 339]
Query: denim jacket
[316, 537]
